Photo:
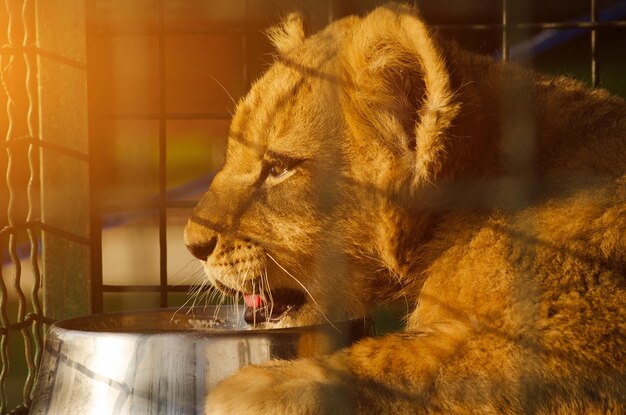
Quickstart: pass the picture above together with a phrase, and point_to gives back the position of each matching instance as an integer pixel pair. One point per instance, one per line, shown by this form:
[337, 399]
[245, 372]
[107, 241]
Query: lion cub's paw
[299, 387]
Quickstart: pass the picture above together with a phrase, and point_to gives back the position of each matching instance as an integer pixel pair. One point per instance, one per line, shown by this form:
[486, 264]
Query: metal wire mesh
[17, 61]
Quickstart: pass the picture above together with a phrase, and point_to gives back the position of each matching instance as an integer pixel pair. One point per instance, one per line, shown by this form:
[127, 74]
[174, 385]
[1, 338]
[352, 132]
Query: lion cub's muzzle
[238, 267]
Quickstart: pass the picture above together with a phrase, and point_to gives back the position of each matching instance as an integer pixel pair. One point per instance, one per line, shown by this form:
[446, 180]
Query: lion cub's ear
[290, 33]
[399, 89]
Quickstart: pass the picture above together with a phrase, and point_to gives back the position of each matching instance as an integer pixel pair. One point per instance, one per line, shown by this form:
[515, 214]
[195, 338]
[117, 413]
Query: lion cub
[376, 162]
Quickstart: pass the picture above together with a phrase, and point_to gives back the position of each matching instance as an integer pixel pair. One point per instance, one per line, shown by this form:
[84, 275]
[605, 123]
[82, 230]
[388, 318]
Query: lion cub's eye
[278, 169]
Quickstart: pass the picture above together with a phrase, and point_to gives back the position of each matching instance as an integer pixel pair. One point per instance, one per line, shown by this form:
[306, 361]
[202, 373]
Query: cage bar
[162, 160]
[65, 174]
[595, 68]
[505, 28]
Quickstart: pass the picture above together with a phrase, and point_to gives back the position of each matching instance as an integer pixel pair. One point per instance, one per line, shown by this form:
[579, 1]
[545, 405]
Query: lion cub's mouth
[266, 308]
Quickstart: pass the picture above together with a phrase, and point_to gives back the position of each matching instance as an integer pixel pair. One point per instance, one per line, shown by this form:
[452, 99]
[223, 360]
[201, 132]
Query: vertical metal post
[595, 68]
[63, 134]
[244, 54]
[97, 297]
[505, 28]
[331, 11]
[162, 161]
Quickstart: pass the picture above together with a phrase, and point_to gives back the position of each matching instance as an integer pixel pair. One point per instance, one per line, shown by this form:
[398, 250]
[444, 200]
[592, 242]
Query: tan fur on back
[488, 199]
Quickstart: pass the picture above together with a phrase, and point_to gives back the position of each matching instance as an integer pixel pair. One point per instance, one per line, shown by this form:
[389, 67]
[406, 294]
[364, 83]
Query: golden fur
[490, 199]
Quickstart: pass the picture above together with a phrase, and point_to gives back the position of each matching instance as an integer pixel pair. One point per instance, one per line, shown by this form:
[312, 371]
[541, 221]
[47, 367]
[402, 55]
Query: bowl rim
[70, 324]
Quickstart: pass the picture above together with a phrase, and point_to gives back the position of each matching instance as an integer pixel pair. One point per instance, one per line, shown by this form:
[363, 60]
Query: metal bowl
[164, 361]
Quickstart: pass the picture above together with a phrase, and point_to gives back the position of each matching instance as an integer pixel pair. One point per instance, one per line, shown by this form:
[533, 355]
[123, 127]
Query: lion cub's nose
[202, 249]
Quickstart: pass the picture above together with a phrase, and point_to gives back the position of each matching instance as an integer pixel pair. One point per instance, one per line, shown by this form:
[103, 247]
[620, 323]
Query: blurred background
[114, 116]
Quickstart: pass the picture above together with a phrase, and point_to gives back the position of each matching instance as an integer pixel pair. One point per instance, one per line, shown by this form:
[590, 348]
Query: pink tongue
[253, 300]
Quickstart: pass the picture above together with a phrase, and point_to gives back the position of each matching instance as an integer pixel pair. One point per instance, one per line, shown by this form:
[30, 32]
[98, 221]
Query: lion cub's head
[309, 216]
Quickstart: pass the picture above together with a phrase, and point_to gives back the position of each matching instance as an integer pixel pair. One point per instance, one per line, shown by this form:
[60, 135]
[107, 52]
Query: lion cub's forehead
[282, 113]
[295, 103]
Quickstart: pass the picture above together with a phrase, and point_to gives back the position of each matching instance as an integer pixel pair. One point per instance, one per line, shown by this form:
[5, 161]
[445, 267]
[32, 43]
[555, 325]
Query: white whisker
[253, 309]
[269, 290]
[192, 295]
[219, 83]
[193, 274]
[305, 289]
